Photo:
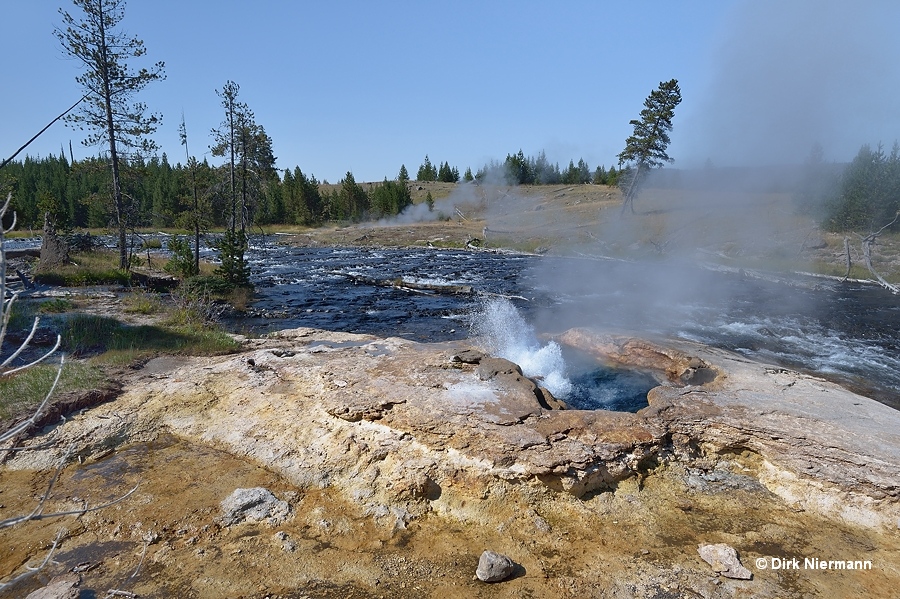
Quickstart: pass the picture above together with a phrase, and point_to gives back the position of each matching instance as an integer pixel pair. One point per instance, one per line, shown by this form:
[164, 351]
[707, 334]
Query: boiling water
[504, 333]
[572, 376]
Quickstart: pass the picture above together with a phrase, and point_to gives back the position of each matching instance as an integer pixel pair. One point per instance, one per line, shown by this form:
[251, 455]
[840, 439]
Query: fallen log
[410, 285]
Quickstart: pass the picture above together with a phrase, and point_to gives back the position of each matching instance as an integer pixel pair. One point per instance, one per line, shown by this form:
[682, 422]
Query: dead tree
[15, 433]
[868, 242]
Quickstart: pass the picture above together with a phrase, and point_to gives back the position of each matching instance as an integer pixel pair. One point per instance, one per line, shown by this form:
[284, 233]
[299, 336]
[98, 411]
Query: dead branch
[868, 243]
[34, 570]
[118, 593]
[25, 424]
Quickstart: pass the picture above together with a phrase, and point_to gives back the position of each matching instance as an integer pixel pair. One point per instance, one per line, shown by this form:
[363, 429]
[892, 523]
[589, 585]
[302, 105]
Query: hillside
[760, 230]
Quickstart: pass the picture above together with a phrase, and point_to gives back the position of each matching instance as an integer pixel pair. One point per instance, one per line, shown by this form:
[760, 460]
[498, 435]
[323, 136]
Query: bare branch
[39, 360]
[868, 243]
[28, 143]
[33, 570]
[37, 413]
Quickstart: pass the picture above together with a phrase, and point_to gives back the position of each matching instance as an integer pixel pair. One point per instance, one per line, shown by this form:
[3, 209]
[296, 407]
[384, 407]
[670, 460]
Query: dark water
[845, 332]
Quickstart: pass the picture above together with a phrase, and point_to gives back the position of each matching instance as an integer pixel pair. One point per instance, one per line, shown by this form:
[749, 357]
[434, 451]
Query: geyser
[506, 334]
[570, 375]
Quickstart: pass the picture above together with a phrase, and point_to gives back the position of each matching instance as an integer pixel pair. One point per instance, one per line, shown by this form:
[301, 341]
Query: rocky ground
[394, 465]
[399, 463]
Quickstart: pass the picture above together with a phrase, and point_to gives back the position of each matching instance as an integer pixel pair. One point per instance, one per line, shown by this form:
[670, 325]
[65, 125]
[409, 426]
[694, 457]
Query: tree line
[518, 169]
[864, 195]
[161, 194]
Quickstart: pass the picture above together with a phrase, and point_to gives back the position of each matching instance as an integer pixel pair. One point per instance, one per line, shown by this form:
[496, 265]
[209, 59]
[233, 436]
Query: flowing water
[843, 331]
[846, 332]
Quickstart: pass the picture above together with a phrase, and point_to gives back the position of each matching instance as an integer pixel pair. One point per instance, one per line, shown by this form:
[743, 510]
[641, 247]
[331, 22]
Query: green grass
[87, 268]
[22, 316]
[56, 305]
[85, 335]
[27, 389]
[144, 302]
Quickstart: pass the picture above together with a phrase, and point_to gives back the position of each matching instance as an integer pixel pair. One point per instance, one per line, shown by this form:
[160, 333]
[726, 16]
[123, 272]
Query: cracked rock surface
[387, 449]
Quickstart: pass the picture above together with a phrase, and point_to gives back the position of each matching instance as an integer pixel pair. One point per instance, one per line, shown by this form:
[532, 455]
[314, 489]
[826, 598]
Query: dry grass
[740, 229]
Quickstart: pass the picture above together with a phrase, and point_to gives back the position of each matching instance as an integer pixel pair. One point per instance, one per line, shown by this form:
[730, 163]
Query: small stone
[469, 356]
[724, 560]
[61, 587]
[494, 567]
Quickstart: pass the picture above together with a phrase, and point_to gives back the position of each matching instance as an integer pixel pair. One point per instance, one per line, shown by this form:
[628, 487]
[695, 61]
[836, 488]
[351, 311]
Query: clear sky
[367, 86]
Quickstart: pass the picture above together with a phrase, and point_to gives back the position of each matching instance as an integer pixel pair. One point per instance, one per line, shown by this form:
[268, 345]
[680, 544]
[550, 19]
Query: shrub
[181, 264]
[214, 285]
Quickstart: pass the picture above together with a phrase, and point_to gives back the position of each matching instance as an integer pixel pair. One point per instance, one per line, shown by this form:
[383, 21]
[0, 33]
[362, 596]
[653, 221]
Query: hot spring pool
[598, 387]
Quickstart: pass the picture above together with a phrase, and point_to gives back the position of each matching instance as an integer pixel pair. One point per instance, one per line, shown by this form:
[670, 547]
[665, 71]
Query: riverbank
[732, 229]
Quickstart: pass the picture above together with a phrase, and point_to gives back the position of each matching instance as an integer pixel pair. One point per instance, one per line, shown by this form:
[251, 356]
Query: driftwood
[448, 288]
[868, 243]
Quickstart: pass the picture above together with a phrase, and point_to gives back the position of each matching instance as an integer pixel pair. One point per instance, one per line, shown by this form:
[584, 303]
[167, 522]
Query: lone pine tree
[108, 113]
[646, 147]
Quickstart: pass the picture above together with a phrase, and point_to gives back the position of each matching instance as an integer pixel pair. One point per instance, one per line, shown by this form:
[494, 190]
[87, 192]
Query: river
[846, 332]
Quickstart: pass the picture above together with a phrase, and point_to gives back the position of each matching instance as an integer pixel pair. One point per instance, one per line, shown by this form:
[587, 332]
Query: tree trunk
[629, 194]
[231, 148]
[113, 154]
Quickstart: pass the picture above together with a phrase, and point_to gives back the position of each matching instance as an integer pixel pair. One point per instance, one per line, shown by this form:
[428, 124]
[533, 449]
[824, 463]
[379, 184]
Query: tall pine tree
[108, 113]
[646, 147]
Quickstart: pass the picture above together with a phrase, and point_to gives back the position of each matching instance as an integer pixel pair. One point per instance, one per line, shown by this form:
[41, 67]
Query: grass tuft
[87, 268]
[85, 335]
[57, 305]
[26, 389]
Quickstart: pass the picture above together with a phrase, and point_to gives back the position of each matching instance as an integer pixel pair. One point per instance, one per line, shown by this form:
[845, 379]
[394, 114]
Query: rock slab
[61, 587]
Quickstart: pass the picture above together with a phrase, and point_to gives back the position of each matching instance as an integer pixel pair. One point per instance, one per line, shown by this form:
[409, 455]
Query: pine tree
[403, 177]
[646, 147]
[427, 171]
[109, 85]
[444, 173]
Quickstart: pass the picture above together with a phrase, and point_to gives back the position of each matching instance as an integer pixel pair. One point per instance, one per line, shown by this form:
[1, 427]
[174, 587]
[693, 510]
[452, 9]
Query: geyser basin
[598, 387]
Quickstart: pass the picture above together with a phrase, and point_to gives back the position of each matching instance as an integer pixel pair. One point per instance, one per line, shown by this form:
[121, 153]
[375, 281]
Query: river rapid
[846, 332]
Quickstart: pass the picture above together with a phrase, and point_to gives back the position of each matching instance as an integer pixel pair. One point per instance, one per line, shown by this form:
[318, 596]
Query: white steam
[790, 74]
[506, 334]
[463, 197]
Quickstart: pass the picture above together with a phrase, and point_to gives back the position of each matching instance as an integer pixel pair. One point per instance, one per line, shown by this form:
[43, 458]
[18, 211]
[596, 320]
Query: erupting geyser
[568, 374]
[506, 334]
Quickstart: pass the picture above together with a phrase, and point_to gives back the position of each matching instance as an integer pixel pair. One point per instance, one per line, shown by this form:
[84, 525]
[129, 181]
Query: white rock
[724, 560]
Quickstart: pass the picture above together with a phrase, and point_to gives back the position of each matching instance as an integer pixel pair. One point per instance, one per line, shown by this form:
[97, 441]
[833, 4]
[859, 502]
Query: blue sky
[367, 86]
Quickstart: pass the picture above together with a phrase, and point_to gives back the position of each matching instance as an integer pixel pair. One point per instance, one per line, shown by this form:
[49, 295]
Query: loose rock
[494, 567]
[253, 505]
[724, 560]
